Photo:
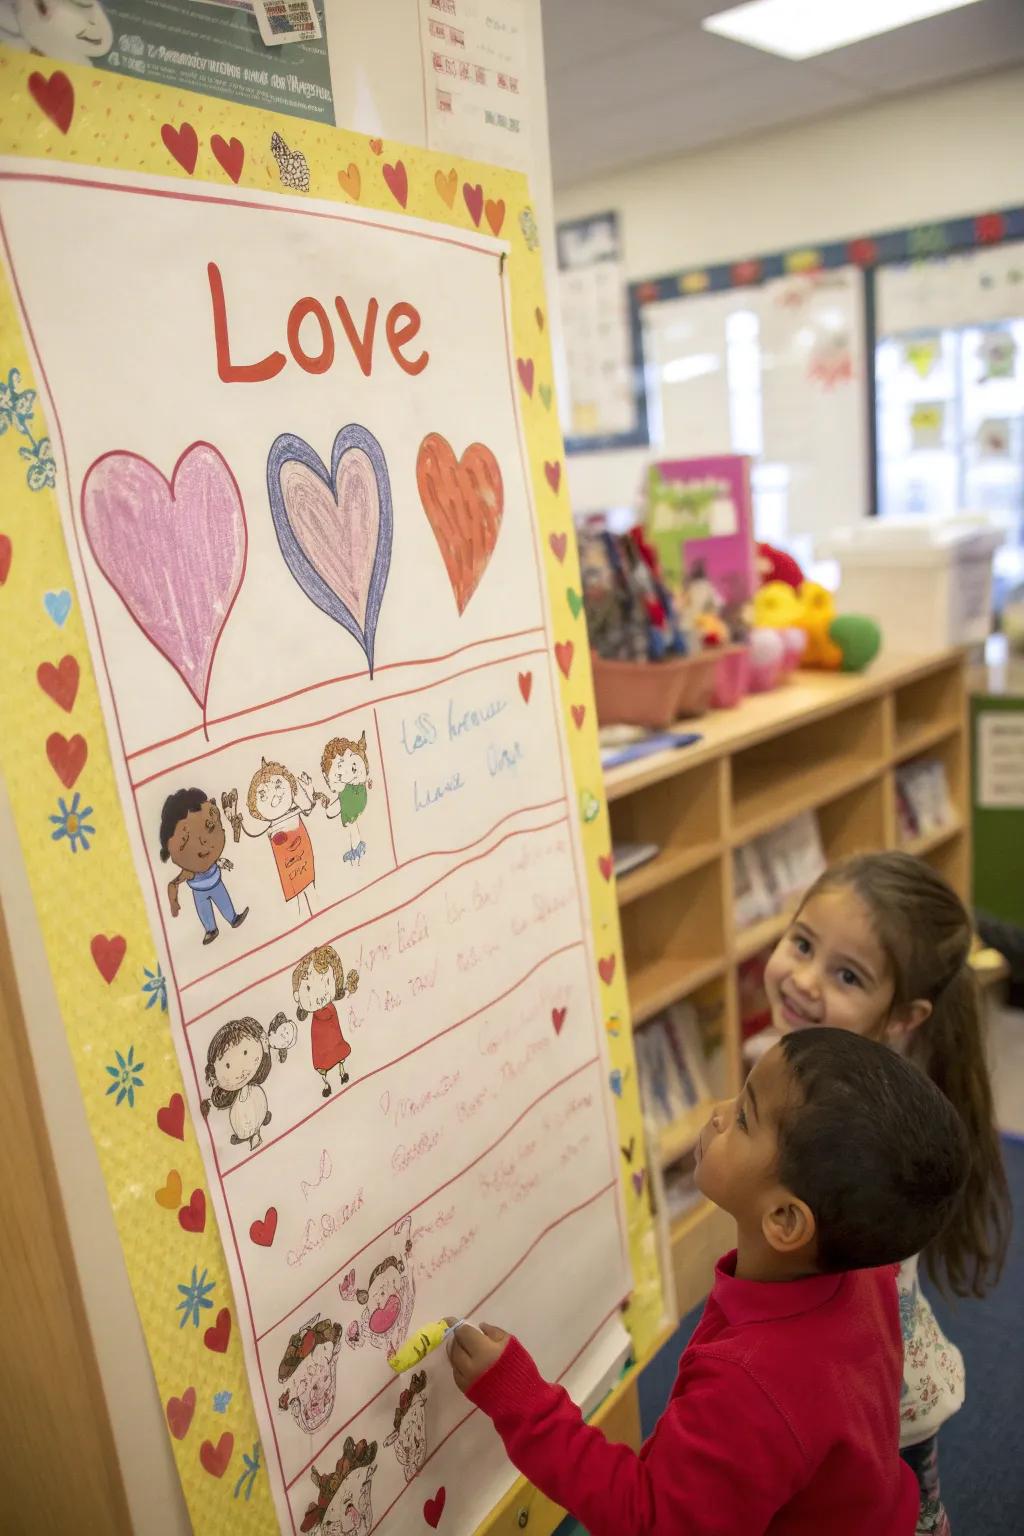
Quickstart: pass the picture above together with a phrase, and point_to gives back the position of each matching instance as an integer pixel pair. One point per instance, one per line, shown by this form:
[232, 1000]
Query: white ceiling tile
[979, 37]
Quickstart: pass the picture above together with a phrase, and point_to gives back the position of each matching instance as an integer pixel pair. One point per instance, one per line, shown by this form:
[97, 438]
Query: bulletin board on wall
[300, 742]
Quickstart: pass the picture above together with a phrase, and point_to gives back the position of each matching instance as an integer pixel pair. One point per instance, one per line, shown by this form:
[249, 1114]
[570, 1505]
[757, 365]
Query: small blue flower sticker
[72, 822]
[248, 1477]
[195, 1298]
[220, 1402]
[17, 407]
[154, 988]
[126, 1077]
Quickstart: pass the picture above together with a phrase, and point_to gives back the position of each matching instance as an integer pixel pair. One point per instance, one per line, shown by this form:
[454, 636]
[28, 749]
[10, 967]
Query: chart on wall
[297, 444]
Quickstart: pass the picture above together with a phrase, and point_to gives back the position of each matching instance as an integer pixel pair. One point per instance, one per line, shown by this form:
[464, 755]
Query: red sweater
[784, 1420]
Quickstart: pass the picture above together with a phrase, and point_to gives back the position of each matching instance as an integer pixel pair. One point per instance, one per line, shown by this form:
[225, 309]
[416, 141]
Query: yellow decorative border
[74, 839]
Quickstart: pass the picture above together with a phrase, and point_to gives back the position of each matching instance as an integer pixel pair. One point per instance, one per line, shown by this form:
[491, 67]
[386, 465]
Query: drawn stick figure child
[346, 772]
[237, 1065]
[318, 982]
[192, 838]
[277, 802]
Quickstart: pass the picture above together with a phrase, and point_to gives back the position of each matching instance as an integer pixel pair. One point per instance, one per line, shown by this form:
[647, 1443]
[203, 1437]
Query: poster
[1000, 761]
[330, 921]
[595, 323]
[212, 46]
[475, 79]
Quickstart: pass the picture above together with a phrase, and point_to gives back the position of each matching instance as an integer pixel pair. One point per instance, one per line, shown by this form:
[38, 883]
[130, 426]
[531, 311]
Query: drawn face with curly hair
[311, 1389]
[350, 1512]
[411, 1445]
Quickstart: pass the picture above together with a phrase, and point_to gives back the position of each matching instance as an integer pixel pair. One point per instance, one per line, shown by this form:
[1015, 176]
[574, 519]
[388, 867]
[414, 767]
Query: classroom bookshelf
[825, 743]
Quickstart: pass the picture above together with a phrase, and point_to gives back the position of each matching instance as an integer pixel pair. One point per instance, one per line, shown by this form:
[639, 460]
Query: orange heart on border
[464, 500]
[447, 186]
[351, 182]
[170, 1195]
[494, 208]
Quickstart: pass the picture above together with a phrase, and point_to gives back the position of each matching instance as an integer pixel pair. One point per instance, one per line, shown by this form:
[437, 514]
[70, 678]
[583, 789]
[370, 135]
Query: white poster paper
[1001, 761]
[475, 80]
[295, 500]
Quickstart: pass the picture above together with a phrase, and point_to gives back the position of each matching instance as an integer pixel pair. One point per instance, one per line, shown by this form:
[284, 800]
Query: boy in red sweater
[838, 1159]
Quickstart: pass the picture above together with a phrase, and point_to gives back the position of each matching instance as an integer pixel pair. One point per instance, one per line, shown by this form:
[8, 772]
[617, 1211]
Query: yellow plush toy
[819, 612]
[832, 644]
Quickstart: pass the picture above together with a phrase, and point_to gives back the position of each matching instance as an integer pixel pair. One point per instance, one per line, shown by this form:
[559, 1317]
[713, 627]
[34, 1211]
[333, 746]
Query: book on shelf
[629, 856]
[923, 804]
[771, 873]
[681, 1192]
[671, 1067]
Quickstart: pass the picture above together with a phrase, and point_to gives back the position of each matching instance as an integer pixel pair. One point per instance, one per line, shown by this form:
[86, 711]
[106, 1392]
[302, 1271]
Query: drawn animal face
[273, 797]
[76, 30]
[197, 842]
[350, 1512]
[239, 1064]
[411, 1445]
[312, 1386]
[348, 768]
[316, 990]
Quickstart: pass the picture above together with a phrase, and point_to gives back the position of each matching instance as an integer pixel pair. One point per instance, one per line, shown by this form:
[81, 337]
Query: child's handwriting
[424, 983]
[504, 759]
[325, 1170]
[477, 954]
[411, 934]
[510, 1070]
[426, 795]
[419, 733]
[472, 719]
[442, 1219]
[406, 1108]
[403, 1157]
[316, 1233]
[431, 1264]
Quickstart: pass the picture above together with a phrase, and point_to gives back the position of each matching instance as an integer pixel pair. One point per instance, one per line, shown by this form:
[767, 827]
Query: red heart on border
[229, 155]
[60, 682]
[433, 1509]
[179, 1412]
[563, 655]
[495, 211]
[558, 1019]
[578, 714]
[606, 864]
[215, 1458]
[474, 200]
[217, 1337]
[553, 474]
[171, 1118]
[183, 144]
[192, 1217]
[398, 182]
[6, 554]
[525, 685]
[67, 757]
[54, 96]
[606, 969]
[107, 954]
[524, 367]
[263, 1232]
[558, 545]
[464, 501]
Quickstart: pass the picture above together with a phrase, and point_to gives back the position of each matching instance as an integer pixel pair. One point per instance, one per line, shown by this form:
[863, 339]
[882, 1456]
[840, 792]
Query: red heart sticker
[398, 182]
[474, 199]
[6, 552]
[217, 1337]
[182, 143]
[525, 685]
[107, 954]
[553, 474]
[558, 544]
[606, 969]
[578, 714]
[563, 655]
[67, 757]
[54, 96]
[215, 1458]
[558, 1019]
[171, 1118]
[263, 1232]
[229, 156]
[433, 1509]
[524, 367]
[60, 681]
[179, 1412]
[192, 1217]
[606, 864]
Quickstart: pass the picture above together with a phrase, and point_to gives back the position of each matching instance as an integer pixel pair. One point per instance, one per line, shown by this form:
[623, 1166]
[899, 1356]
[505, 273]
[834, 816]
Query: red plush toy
[775, 565]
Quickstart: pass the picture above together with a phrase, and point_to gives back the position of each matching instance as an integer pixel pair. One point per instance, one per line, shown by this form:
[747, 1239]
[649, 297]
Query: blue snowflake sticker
[248, 1477]
[126, 1077]
[220, 1402]
[195, 1298]
[72, 822]
[154, 988]
[17, 407]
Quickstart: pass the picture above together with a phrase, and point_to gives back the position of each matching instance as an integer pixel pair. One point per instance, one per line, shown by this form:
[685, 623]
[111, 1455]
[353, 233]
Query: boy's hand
[472, 1351]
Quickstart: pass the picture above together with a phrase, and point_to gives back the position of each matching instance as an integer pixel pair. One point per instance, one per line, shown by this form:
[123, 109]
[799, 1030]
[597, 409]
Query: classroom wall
[377, 81]
[930, 155]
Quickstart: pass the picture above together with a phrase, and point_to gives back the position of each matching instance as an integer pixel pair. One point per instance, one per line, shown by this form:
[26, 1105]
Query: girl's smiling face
[273, 797]
[830, 969]
[349, 768]
[315, 990]
[238, 1064]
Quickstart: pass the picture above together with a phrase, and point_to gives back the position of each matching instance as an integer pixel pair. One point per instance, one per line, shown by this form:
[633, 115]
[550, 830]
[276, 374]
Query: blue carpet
[982, 1447]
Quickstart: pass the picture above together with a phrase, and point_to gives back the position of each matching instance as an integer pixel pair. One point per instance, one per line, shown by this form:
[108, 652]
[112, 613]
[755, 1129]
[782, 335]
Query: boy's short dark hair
[874, 1147]
[176, 808]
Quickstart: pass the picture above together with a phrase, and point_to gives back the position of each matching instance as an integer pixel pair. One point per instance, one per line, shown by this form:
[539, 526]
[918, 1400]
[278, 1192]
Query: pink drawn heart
[578, 715]
[558, 1019]
[606, 865]
[558, 543]
[606, 969]
[474, 197]
[553, 474]
[398, 182]
[350, 512]
[524, 367]
[563, 655]
[174, 552]
[525, 685]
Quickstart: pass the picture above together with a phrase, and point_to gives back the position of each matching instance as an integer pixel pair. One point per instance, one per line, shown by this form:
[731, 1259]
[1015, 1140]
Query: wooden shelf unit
[825, 743]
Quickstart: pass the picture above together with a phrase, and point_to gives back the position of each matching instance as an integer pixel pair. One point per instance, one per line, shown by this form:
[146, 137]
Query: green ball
[859, 639]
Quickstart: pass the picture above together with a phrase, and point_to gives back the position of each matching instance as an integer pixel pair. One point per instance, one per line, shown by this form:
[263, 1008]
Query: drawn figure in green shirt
[346, 773]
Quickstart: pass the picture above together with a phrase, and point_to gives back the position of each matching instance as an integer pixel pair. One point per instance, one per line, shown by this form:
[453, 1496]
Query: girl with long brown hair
[881, 946]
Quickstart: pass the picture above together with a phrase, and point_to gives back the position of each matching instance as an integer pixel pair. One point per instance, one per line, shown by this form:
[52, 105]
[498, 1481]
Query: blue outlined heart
[335, 528]
[58, 606]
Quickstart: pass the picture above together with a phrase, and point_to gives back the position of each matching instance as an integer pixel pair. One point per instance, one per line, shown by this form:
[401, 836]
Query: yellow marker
[419, 1345]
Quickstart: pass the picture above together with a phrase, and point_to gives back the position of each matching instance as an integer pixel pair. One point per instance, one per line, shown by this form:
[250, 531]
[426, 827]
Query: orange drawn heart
[170, 1196]
[377, 145]
[447, 186]
[494, 208]
[60, 681]
[351, 182]
[463, 499]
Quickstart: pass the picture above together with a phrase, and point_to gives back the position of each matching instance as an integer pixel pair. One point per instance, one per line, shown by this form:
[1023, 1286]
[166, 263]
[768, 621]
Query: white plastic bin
[926, 581]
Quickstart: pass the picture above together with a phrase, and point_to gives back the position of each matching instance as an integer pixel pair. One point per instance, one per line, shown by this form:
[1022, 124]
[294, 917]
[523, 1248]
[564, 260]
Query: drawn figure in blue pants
[192, 837]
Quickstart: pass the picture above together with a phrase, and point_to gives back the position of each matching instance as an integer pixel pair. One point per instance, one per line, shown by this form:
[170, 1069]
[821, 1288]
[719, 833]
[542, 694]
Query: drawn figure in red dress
[279, 803]
[318, 983]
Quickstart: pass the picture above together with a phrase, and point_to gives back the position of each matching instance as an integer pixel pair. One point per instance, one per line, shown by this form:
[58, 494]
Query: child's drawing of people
[344, 1497]
[192, 838]
[318, 983]
[346, 771]
[388, 1299]
[237, 1065]
[277, 802]
[409, 1436]
[310, 1367]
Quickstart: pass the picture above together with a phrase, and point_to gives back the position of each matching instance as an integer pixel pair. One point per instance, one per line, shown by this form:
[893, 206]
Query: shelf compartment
[930, 842]
[805, 768]
[855, 821]
[763, 935]
[660, 983]
[674, 940]
[680, 1138]
[928, 709]
[662, 870]
[682, 815]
